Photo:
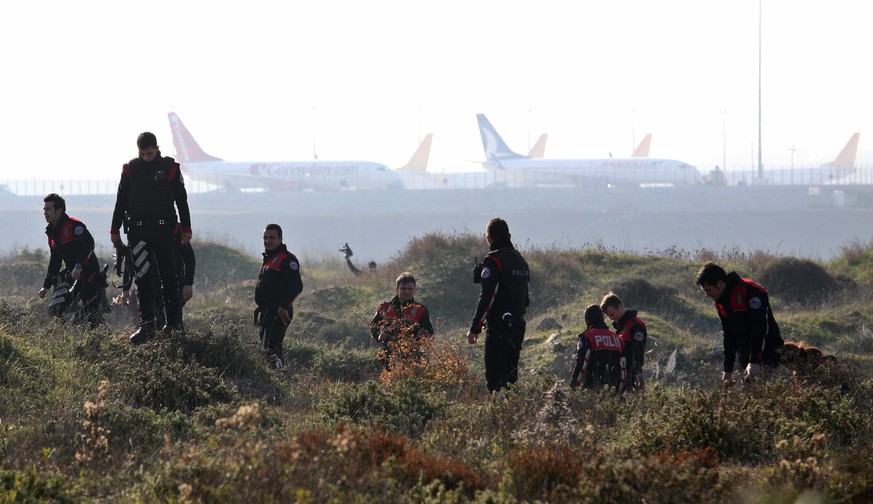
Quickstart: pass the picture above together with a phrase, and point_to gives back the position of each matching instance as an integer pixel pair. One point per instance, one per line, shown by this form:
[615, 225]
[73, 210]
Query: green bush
[403, 408]
[36, 486]
[160, 377]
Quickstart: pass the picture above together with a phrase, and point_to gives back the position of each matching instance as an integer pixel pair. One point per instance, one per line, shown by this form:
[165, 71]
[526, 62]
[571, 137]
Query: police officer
[70, 242]
[400, 316]
[149, 192]
[599, 354]
[503, 301]
[632, 331]
[750, 330]
[279, 283]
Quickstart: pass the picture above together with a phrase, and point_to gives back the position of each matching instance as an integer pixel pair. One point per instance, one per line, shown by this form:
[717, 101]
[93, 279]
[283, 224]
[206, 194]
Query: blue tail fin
[495, 148]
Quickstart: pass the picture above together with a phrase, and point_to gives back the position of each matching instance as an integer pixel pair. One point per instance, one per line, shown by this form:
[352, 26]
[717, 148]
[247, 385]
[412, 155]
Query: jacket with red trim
[598, 356]
[70, 243]
[504, 287]
[631, 328]
[279, 281]
[392, 312]
[749, 328]
[151, 191]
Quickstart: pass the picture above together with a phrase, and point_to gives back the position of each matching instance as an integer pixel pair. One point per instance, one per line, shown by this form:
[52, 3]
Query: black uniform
[186, 263]
[279, 283]
[632, 331]
[599, 358]
[503, 301]
[148, 195]
[70, 242]
[750, 331]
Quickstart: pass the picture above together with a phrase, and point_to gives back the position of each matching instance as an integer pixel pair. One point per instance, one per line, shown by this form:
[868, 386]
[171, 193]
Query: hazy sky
[270, 80]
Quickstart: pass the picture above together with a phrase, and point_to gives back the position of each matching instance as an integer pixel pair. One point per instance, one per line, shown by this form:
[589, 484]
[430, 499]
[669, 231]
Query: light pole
[760, 164]
[314, 152]
[528, 130]
[724, 140]
[792, 149]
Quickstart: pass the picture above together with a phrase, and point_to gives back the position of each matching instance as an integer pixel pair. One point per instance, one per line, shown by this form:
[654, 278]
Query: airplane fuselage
[608, 171]
[314, 175]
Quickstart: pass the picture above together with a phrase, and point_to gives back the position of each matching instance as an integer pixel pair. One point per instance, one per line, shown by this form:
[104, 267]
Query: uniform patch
[294, 265]
[639, 336]
[755, 303]
[78, 230]
[486, 272]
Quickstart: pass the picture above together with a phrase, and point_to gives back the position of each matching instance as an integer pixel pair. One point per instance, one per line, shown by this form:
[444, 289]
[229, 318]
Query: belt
[148, 222]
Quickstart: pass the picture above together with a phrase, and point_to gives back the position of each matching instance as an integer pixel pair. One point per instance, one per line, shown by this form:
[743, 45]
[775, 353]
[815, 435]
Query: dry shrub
[426, 360]
[351, 458]
[688, 476]
[555, 422]
[95, 430]
[544, 472]
[797, 280]
[803, 463]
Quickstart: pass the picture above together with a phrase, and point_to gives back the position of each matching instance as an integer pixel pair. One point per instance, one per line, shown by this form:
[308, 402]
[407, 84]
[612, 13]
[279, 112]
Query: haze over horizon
[344, 80]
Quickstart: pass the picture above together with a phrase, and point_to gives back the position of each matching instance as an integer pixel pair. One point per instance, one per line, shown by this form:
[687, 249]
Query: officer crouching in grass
[632, 331]
[503, 301]
[71, 243]
[750, 330]
[599, 354]
[279, 283]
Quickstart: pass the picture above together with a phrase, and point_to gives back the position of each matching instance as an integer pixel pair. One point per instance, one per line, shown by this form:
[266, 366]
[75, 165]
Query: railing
[41, 187]
[800, 176]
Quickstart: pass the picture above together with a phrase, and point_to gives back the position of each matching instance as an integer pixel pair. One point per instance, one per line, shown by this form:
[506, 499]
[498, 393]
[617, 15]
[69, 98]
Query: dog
[802, 359]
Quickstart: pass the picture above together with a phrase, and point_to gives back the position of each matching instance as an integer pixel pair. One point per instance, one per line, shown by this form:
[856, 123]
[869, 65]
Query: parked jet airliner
[523, 170]
[318, 175]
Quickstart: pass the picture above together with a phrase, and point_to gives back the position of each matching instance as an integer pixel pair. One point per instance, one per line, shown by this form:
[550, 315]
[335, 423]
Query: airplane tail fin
[539, 149]
[642, 149]
[846, 157]
[187, 149]
[495, 147]
[418, 162]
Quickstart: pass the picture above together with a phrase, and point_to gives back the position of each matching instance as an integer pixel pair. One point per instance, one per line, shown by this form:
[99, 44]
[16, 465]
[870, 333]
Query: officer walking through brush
[279, 284]
[503, 301]
[149, 192]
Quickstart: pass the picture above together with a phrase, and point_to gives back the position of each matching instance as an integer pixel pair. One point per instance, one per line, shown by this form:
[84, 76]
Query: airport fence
[800, 176]
[41, 187]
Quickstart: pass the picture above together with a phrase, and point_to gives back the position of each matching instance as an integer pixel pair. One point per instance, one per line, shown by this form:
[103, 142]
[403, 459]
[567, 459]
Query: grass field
[87, 417]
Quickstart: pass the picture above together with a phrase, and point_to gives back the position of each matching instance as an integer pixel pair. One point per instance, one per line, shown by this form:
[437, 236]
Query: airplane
[612, 171]
[642, 149]
[316, 175]
[418, 162]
